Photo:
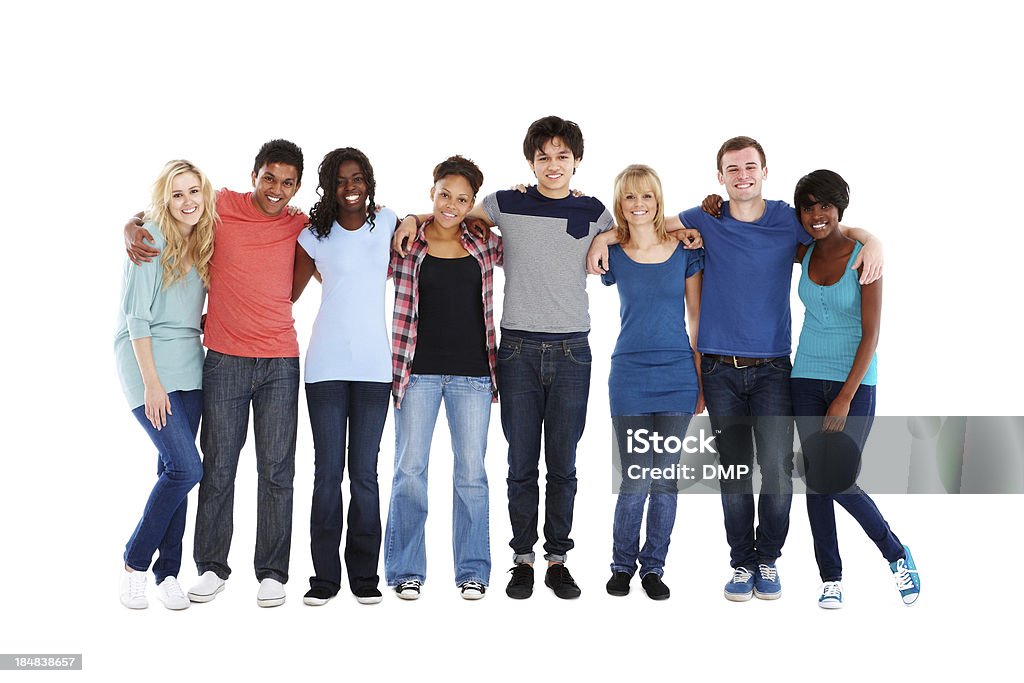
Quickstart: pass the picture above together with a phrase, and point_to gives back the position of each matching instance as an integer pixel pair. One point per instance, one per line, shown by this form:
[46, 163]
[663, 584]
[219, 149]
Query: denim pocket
[507, 351]
[708, 366]
[782, 364]
[580, 355]
[482, 384]
[213, 361]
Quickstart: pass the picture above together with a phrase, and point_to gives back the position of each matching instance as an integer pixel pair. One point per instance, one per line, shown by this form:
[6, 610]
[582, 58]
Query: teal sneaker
[907, 581]
[741, 586]
[831, 595]
[766, 583]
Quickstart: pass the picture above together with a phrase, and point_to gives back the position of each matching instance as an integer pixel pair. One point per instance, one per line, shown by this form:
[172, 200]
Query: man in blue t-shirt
[744, 340]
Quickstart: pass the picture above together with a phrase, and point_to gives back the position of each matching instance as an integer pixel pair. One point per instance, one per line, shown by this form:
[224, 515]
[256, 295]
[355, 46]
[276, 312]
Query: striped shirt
[406, 272]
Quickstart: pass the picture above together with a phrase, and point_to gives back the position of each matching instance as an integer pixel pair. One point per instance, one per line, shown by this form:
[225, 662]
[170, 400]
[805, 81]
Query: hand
[871, 258]
[478, 228]
[202, 323]
[690, 238]
[597, 256]
[135, 238]
[835, 416]
[700, 402]
[519, 188]
[158, 406]
[712, 205]
[405, 231]
[292, 210]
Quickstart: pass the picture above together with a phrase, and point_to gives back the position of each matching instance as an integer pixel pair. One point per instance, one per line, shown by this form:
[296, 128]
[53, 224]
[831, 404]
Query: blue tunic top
[832, 327]
[652, 368]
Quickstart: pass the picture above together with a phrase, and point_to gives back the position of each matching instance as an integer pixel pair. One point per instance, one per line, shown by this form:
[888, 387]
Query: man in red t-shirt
[252, 359]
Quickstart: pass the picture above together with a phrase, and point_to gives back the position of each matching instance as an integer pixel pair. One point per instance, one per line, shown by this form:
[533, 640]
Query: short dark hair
[544, 129]
[822, 186]
[460, 166]
[736, 144]
[279, 152]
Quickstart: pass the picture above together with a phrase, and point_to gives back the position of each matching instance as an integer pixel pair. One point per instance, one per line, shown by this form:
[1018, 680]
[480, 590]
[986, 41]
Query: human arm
[694, 284]
[135, 238]
[597, 255]
[870, 318]
[690, 237]
[304, 269]
[870, 257]
[158, 405]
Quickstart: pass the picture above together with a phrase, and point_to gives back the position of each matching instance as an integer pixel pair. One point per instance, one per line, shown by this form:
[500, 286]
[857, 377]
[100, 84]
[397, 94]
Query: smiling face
[186, 201]
[352, 189]
[274, 185]
[554, 164]
[819, 218]
[742, 174]
[639, 207]
[453, 199]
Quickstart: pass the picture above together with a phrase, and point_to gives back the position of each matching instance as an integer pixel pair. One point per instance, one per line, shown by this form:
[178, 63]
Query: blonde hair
[635, 179]
[198, 246]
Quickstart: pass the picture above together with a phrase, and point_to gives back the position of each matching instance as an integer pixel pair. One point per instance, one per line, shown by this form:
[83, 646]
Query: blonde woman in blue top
[833, 385]
[160, 364]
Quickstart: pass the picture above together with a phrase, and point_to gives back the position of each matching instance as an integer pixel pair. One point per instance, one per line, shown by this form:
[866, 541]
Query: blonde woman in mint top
[833, 385]
[160, 364]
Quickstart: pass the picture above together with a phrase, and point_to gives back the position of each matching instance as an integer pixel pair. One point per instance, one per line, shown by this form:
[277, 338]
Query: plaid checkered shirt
[406, 273]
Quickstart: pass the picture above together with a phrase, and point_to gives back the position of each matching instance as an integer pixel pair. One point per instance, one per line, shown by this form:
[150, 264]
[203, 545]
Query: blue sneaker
[741, 586]
[766, 582]
[907, 581]
[831, 595]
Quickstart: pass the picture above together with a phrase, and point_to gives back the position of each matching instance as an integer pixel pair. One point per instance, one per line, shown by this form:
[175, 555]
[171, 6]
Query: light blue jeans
[467, 402]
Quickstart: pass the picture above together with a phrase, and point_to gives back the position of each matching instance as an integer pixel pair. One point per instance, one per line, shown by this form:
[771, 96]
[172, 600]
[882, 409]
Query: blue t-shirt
[350, 336]
[748, 267]
[652, 368]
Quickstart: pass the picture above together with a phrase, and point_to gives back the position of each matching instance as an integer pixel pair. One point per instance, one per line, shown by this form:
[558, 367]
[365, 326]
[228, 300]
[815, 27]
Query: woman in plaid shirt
[443, 348]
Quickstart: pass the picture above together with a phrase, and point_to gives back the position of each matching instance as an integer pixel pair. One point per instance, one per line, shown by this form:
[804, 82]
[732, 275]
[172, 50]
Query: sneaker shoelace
[831, 590]
[904, 580]
[472, 586]
[521, 574]
[412, 585]
[136, 584]
[564, 576]
[741, 575]
[768, 573]
[172, 588]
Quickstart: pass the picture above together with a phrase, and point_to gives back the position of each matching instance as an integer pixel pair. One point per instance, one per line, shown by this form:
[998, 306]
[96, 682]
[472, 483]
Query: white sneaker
[206, 588]
[171, 595]
[133, 589]
[831, 595]
[271, 593]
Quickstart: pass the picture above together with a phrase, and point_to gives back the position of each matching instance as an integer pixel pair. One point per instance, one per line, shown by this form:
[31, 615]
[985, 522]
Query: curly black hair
[325, 211]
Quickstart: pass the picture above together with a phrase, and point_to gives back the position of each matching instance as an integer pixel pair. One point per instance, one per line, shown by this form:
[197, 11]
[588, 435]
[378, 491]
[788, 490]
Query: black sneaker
[317, 596]
[368, 595]
[558, 579]
[520, 586]
[655, 587]
[618, 584]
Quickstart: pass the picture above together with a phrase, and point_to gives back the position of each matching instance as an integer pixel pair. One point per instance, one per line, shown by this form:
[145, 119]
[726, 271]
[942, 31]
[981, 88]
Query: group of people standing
[444, 347]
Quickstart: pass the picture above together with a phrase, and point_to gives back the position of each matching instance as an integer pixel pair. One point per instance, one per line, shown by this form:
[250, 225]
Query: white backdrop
[913, 105]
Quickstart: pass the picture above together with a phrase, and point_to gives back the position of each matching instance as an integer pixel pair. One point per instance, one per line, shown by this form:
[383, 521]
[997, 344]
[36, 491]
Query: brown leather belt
[738, 361]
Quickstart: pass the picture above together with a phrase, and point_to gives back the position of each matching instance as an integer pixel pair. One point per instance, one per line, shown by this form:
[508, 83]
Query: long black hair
[325, 211]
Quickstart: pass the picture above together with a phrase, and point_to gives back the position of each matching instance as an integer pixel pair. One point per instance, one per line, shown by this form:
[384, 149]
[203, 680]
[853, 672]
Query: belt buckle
[735, 364]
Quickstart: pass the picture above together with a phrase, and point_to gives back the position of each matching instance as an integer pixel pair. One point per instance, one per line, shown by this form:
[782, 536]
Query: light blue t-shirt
[744, 309]
[169, 316]
[350, 336]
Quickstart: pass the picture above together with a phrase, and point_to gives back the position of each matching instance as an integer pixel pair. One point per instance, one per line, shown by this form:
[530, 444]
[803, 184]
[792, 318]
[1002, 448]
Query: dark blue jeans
[638, 487]
[178, 469]
[751, 407]
[340, 411]
[811, 399]
[230, 385]
[544, 387]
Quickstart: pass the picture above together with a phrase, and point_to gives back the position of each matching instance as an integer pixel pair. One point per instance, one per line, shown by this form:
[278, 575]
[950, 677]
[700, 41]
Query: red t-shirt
[249, 312]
